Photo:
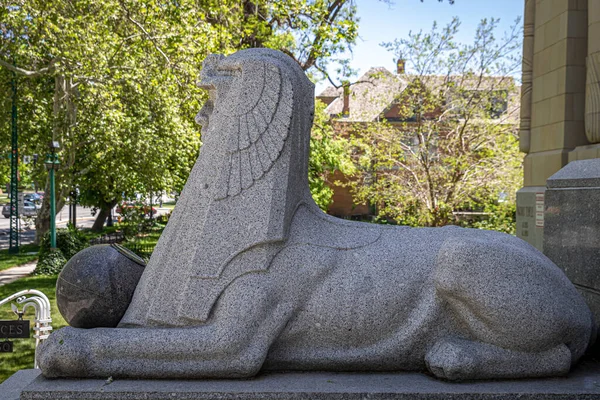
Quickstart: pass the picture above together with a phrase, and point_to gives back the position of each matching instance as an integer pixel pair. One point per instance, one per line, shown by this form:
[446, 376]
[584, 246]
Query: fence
[142, 250]
[110, 238]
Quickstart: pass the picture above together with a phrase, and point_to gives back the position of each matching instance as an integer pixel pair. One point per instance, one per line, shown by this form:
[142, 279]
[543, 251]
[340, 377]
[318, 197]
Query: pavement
[12, 274]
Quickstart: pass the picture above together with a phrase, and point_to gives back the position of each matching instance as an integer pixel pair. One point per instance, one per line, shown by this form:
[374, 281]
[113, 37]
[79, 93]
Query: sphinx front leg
[226, 349]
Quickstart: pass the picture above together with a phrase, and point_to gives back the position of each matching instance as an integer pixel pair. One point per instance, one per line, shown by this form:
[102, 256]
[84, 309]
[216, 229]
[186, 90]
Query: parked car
[30, 210]
[33, 197]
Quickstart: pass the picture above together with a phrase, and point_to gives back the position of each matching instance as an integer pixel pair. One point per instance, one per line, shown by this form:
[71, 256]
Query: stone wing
[259, 119]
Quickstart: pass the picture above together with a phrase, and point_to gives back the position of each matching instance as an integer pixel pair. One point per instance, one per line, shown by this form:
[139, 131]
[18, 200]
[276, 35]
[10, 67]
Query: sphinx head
[260, 101]
[251, 81]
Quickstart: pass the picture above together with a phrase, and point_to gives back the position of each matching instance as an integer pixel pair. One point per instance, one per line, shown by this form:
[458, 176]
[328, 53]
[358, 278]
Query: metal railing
[110, 238]
[142, 250]
[40, 303]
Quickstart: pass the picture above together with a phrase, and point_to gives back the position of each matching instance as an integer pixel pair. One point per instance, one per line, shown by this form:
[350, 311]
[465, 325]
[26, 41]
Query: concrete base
[11, 388]
[582, 383]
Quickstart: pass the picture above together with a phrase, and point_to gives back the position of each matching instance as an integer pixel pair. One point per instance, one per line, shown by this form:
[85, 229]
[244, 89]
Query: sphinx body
[249, 274]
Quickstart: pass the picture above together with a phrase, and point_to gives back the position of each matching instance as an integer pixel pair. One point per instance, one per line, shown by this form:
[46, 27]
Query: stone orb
[95, 287]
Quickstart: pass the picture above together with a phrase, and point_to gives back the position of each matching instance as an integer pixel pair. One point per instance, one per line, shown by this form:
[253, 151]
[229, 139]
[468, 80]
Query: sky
[380, 22]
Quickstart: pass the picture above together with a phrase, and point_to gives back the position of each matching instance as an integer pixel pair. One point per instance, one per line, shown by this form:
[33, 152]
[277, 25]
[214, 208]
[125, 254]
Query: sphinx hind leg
[512, 308]
[460, 359]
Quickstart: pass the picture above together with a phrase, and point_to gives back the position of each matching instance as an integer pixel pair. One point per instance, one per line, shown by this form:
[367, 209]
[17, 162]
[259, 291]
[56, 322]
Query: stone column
[553, 104]
[592, 90]
[527, 76]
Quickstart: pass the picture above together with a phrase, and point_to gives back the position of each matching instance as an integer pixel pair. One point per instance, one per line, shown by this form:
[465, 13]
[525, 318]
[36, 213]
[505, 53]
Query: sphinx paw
[63, 354]
[452, 359]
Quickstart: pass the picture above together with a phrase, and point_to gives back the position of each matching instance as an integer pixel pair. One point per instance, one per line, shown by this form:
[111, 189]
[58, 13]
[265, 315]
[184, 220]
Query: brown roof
[369, 96]
[331, 91]
[375, 92]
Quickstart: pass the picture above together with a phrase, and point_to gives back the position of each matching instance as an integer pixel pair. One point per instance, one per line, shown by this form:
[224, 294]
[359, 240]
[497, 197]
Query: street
[27, 235]
[84, 220]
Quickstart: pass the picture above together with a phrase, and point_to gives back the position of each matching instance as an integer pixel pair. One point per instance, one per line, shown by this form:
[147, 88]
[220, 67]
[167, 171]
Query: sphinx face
[249, 113]
[249, 89]
[216, 77]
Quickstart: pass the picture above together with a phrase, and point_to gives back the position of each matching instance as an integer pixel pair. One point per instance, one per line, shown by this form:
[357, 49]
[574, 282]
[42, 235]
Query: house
[382, 95]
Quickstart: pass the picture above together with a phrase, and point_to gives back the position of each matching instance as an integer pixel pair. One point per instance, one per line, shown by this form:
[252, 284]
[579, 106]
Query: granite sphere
[95, 287]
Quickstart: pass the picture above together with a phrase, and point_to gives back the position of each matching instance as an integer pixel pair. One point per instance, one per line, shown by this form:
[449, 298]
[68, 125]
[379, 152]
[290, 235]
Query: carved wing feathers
[262, 128]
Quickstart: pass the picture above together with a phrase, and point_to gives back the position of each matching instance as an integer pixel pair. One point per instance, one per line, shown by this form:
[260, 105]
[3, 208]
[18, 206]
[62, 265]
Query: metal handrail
[39, 301]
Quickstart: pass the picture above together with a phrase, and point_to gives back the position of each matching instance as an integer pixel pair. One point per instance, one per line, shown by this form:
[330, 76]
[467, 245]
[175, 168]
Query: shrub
[69, 242]
[501, 217]
[163, 219]
[51, 263]
[135, 218]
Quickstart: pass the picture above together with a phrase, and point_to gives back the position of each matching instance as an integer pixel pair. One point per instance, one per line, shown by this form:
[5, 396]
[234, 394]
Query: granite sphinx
[251, 275]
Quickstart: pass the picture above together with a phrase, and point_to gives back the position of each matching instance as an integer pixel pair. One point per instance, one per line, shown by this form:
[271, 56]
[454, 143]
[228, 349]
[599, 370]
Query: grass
[143, 244]
[169, 204]
[12, 260]
[151, 237]
[24, 349]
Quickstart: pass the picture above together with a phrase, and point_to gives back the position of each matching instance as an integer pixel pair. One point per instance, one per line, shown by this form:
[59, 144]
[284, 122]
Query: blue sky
[380, 22]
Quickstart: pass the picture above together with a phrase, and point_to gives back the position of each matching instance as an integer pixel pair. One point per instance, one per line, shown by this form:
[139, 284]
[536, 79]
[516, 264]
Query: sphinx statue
[250, 275]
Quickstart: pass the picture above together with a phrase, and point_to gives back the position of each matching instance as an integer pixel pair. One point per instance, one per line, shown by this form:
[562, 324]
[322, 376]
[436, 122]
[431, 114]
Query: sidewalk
[14, 273]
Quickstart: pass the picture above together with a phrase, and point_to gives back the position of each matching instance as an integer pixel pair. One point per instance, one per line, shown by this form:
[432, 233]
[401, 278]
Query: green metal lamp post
[14, 176]
[52, 165]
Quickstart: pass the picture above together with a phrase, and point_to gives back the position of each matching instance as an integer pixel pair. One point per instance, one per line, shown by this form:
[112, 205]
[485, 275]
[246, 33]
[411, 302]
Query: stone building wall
[558, 36]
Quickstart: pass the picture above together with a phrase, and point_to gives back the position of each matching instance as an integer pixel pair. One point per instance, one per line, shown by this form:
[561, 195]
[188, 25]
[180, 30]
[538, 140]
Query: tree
[327, 154]
[454, 143]
[95, 75]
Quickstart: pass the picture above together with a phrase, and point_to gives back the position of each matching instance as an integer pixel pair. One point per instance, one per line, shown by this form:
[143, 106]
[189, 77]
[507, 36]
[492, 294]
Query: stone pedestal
[572, 226]
[582, 383]
[530, 215]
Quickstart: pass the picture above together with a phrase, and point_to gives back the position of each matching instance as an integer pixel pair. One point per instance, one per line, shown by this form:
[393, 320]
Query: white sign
[539, 210]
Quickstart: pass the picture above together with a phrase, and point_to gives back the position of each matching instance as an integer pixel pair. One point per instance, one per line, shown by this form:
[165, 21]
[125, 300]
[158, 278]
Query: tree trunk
[98, 226]
[109, 221]
[104, 215]
[42, 221]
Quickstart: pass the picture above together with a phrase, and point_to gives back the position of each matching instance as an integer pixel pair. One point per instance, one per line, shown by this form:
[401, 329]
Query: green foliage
[328, 153]
[454, 143]
[68, 243]
[500, 217]
[143, 244]
[164, 218]
[50, 263]
[135, 219]
[68, 240]
[114, 81]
